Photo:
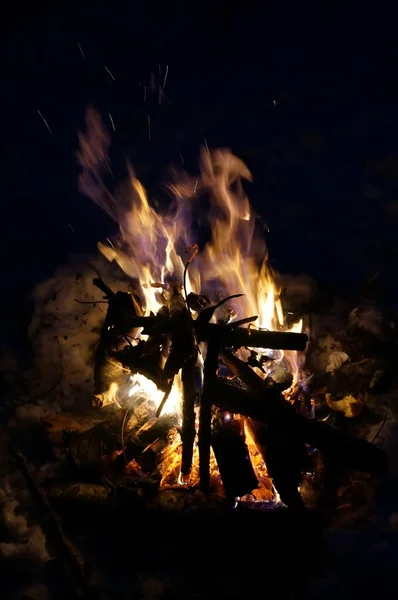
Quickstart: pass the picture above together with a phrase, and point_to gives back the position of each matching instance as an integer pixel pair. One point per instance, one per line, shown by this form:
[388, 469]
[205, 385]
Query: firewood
[286, 458]
[253, 338]
[232, 455]
[273, 409]
[123, 309]
[188, 431]
[197, 302]
[204, 442]
[230, 336]
[183, 343]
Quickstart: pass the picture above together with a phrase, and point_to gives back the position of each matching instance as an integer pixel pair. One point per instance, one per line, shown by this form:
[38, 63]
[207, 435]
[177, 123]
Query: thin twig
[94, 269]
[116, 365]
[164, 400]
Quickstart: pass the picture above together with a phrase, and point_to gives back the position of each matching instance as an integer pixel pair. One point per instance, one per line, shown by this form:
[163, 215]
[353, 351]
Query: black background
[309, 104]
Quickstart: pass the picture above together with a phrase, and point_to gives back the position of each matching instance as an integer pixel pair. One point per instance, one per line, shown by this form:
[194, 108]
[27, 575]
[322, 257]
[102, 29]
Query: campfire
[199, 369]
[177, 370]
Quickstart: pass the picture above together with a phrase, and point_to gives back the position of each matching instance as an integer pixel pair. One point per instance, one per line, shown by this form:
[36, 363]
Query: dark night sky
[324, 158]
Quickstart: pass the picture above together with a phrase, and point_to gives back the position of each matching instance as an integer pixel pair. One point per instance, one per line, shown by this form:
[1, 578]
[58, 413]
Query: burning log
[183, 343]
[146, 358]
[204, 443]
[197, 302]
[230, 335]
[271, 408]
[188, 431]
[286, 458]
[122, 311]
[236, 337]
[232, 455]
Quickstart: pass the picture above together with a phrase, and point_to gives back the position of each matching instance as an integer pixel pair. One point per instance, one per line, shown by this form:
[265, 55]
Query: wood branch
[188, 414]
[183, 343]
[226, 335]
[204, 442]
[232, 456]
[273, 409]
[253, 338]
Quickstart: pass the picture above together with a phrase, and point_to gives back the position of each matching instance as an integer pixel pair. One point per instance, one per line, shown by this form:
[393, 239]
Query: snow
[64, 333]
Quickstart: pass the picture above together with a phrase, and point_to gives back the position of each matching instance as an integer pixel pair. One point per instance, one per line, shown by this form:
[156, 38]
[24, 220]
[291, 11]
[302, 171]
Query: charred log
[253, 338]
[145, 358]
[204, 442]
[123, 309]
[272, 408]
[232, 455]
[286, 459]
[188, 431]
[230, 336]
[183, 343]
[197, 302]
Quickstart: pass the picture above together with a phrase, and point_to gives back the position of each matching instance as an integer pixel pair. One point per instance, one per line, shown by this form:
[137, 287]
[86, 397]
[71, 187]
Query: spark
[149, 127]
[110, 243]
[81, 51]
[165, 76]
[196, 185]
[108, 71]
[182, 159]
[207, 147]
[111, 120]
[274, 101]
[71, 227]
[45, 122]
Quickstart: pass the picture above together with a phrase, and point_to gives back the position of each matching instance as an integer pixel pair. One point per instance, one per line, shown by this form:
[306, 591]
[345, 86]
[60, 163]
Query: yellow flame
[140, 386]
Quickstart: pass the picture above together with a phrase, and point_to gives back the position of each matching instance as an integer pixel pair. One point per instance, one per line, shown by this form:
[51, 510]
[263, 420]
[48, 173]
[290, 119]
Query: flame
[151, 246]
[141, 387]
